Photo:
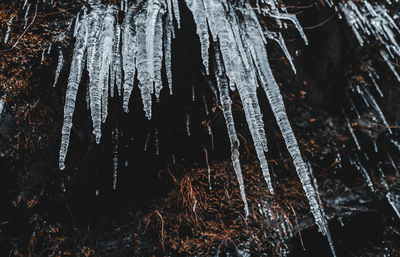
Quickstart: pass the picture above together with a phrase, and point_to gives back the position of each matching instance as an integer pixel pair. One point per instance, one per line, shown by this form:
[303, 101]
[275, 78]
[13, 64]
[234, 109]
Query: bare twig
[25, 31]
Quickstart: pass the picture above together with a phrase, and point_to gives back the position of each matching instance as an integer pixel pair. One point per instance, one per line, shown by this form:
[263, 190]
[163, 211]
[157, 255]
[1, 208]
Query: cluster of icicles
[138, 47]
[373, 22]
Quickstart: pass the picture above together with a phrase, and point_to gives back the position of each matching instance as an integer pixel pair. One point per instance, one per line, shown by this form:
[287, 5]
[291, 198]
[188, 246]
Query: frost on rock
[138, 46]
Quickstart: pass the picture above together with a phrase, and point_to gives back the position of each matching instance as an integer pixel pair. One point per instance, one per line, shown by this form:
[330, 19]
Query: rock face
[166, 203]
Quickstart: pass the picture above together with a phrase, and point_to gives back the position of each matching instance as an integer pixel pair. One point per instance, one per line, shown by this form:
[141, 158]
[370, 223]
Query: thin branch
[25, 31]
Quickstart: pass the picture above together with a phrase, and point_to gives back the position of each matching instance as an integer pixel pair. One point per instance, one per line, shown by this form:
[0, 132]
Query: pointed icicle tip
[61, 164]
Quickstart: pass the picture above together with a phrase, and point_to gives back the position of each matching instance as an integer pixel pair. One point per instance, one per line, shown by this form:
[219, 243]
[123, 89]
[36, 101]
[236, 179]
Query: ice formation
[60, 65]
[373, 22]
[393, 199]
[9, 23]
[115, 143]
[315, 184]
[241, 63]
[2, 104]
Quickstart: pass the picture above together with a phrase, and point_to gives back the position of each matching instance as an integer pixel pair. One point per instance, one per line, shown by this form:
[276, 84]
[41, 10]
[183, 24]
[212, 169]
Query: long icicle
[226, 102]
[72, 87]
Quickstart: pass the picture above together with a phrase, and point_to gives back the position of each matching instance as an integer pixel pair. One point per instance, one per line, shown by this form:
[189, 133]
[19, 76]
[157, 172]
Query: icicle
[210, 84]
[193, 89]
[353, 107]
[296, 23]
[245, 82]
[390, 65]
[199, 16]
[352, 131]
[278, 38]
[158, 52]
[369, 21]
[362, 95]
[169, 8]
[389, 196]
[272, 91]
[2, 104]
[364, 173]
[352, 21]
[9, 24]
[378, 109]
[393, 164]
[77, 23]
[226, 103]
[154, 43]
[99, 62]
[147, 142]
[394, 202]
[72, 88]
[153, 8]
[188, 124]
[395, 143]
[175, 4]
[28, 6]
[375, 84]
[205, 104]
[93, 66]
[43, 55]
[115, 143]
[104, 99]
[167, 48]
[338, 160]
[375, 147]
[220, 28]
[328, 234]
[145, 84]
[208, 169]
[156, 143]
[49, 48]
[60, 65]
[128, 57]
[234, 24]
[87, 98]
[116, 65]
